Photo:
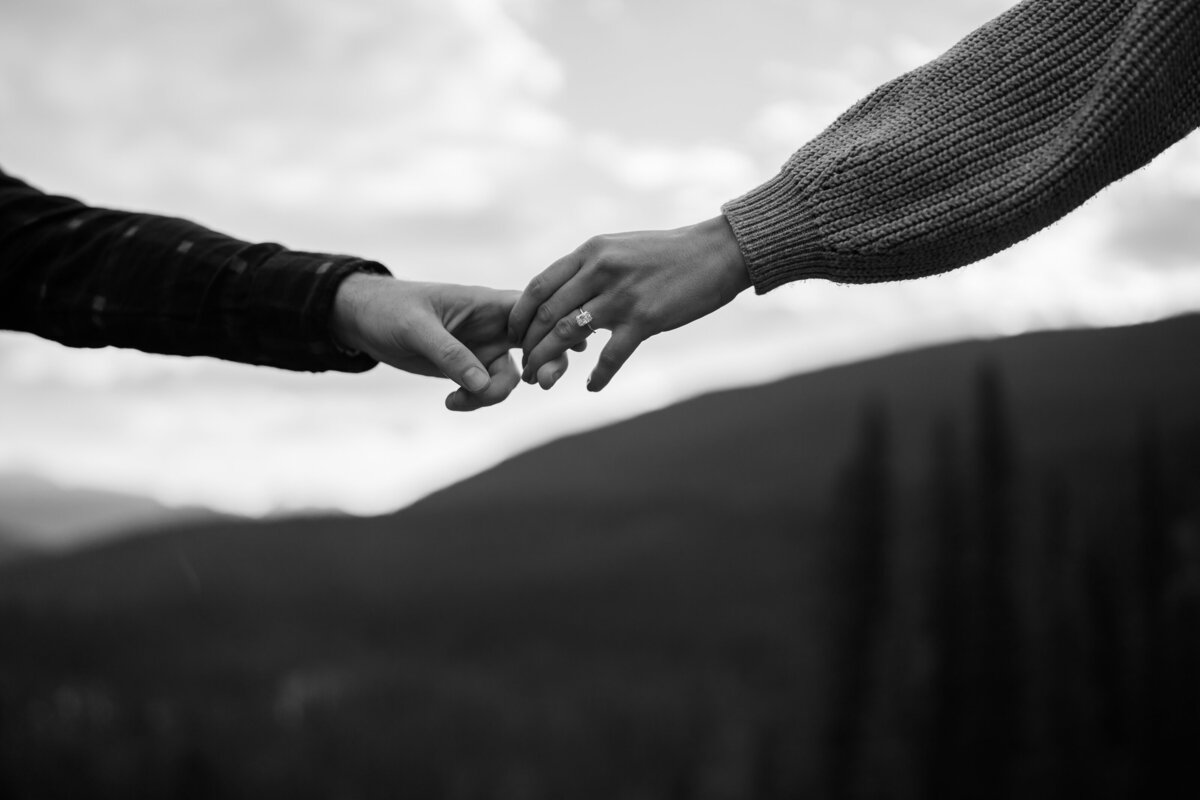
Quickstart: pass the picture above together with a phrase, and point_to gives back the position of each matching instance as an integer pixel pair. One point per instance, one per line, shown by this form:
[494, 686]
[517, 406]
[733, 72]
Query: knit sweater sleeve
[1010, 130]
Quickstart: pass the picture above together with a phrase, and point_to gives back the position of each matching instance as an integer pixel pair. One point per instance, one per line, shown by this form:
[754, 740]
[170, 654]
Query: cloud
[367, 108]
[783, 126]
[1156, 221]
[699, 175]
[1162, 232]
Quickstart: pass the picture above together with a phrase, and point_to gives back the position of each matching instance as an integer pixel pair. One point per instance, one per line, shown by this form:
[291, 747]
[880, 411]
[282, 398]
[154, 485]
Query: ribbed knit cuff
[778, 237]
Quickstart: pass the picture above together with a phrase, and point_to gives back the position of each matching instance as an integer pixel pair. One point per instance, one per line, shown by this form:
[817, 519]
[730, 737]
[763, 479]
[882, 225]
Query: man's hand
[634, 284]
[435, 329]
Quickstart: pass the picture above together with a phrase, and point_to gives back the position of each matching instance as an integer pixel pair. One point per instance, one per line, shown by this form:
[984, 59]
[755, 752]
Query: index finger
[540, 289]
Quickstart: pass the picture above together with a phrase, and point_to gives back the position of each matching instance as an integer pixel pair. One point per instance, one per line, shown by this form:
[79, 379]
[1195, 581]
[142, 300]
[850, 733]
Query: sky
[476, 141]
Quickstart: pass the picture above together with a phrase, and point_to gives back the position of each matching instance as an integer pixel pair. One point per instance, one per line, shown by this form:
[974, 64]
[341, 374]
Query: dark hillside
[970, 571]
[11, 548]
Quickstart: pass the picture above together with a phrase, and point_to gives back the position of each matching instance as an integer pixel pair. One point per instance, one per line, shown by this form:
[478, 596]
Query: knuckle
[627, 299]
[608, 362]
[644, 315]
[535, 285]
[545, 314]
[449, 352]
[593, 245]
[598, 247]
[613, 266]
[565, 328]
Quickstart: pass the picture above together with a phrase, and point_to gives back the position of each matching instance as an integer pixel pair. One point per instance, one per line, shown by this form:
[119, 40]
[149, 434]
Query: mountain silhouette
[39, 515]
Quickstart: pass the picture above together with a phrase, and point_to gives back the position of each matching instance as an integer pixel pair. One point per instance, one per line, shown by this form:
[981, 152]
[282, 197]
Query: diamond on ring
[584, 318]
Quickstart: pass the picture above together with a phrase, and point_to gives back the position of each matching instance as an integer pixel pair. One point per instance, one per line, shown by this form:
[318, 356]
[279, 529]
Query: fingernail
[590, 388]
[476, 379]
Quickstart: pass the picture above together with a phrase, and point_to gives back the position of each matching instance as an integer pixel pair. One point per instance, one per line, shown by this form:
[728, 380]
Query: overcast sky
[476, 141]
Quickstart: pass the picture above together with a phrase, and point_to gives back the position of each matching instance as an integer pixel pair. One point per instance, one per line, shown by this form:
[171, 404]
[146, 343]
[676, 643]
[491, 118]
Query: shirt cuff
[291, 305]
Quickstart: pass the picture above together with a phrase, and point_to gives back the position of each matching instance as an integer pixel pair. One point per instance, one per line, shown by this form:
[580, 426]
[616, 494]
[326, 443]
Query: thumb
[450, 356]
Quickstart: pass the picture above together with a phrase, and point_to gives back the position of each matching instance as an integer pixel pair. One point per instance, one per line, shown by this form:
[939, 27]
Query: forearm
[91, 277]
[1020, 123]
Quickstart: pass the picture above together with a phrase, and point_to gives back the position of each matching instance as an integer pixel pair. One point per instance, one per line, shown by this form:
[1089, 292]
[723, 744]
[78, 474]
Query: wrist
[717, 239]
[349, 307]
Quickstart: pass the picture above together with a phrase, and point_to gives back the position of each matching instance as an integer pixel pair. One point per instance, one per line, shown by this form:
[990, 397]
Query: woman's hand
[634, 284]
[435, 329]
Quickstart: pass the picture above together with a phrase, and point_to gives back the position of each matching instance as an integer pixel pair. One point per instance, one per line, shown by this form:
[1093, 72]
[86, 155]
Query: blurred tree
[948, 621]
[1152, 578]
[765, 777]
[991, 733]
[1054, 650]
[864, 509]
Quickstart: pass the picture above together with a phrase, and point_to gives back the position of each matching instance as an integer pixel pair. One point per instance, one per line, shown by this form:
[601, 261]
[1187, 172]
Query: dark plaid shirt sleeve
[91, 277]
